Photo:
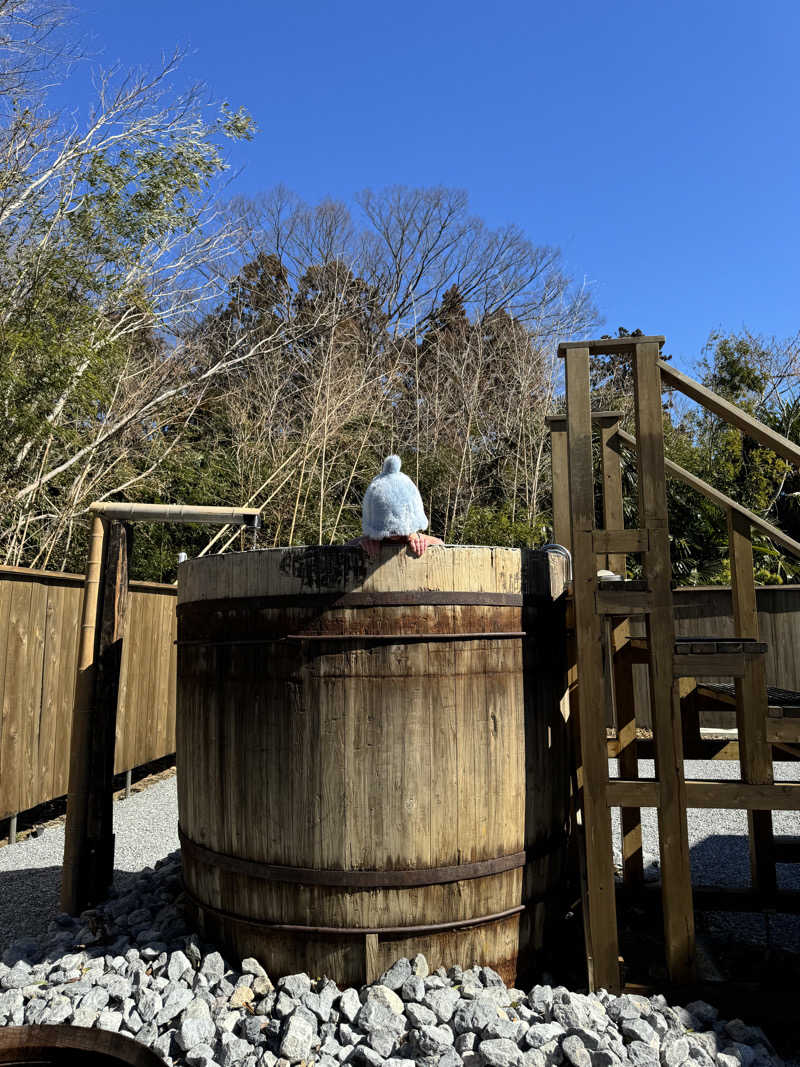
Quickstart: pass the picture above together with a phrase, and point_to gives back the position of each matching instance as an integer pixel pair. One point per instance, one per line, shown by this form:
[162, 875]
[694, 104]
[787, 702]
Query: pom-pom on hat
[392, 504]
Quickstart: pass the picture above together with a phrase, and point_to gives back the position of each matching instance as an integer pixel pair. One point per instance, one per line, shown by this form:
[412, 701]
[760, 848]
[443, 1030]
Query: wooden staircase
[603, 655]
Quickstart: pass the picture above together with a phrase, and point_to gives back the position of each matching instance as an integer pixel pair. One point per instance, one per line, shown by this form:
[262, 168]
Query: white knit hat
[392, 504]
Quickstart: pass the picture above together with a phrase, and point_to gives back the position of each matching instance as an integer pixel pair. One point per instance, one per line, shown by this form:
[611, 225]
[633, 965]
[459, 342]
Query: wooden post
[613, 518]
[676, 884]
[99, 814]
[559, 461]
[631, 818]
[755, 755]
[72, 887]
[601, 916]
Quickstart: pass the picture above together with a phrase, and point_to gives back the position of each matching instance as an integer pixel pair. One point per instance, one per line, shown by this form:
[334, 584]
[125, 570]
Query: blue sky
[656, 144]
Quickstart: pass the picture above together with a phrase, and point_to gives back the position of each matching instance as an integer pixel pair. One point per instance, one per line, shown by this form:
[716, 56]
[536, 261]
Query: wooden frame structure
[604, 652]
[89, 839]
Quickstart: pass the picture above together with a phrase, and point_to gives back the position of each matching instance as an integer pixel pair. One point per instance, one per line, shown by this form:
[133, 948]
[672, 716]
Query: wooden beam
[559, 462]
[601, 916]
[674, 470]
[664, 696]
[631, 818]
[783, 796]
[613, 518]
[622, 601]
[99, 807]
[755, 755]
[638, 793]
[730, 413]
[716, 898]
[560, 420]
[622, 541]
[612, 346]
[722, 664]
[787, 730]
[73, 887]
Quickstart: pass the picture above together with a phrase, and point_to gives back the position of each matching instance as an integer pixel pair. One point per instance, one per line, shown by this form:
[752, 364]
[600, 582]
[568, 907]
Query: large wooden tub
[371, 755]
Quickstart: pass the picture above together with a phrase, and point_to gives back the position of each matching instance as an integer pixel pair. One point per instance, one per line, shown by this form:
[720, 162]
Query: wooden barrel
[371, 756]
[72, 1046]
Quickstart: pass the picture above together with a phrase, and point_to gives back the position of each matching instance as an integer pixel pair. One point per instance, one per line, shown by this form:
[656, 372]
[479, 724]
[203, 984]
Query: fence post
[559, 464]
[89, 838]
[755, 754]
[601, 898]
[99, 813]
[72, 887]
[676, 882]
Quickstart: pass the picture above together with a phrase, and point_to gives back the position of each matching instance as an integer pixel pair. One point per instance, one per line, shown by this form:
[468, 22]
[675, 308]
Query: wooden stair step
[723, 656]
[715, 646]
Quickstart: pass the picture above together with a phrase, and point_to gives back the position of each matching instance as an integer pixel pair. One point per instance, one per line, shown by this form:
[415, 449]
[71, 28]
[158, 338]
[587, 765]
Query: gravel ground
[720, 854]
[146, 831]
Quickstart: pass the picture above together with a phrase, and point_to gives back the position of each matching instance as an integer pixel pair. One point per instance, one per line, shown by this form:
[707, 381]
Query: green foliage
[496, 526]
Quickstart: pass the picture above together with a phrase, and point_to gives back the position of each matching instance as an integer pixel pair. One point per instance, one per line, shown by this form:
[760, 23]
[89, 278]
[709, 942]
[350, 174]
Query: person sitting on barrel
[392, 512]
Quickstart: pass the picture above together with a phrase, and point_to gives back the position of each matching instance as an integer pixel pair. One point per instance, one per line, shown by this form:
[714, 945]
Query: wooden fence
[39, 619]
[706, 611]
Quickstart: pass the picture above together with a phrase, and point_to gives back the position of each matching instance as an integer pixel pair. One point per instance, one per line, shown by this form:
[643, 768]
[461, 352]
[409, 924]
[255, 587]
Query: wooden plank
[755, 755]
[639, 793]
[730, 413]
[611, 346]
[54, 677]
[559, 462]
[597, 416]
[783, 796]
[30, 709]
[719, 664]
[12, 767]
[787, 730]
[613, 518]
[69, 640]
[601, 915]
[621, 541]
[29, 574]
[674, 470]
[631, 819]
[624, 602]
[718, 898]
[664, 697]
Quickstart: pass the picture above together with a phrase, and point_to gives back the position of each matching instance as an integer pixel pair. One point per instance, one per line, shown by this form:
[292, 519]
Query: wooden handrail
[730, 413]
[720, 499]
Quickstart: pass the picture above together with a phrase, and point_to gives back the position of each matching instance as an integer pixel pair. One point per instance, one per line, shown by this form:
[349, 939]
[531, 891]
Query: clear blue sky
[656, 143]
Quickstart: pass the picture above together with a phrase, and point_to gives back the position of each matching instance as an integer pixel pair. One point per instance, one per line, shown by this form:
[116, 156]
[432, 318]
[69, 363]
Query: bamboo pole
[176, 513]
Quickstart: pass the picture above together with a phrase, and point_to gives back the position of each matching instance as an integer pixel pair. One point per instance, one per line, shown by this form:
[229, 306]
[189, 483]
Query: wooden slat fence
[39, 619]
[707, 611]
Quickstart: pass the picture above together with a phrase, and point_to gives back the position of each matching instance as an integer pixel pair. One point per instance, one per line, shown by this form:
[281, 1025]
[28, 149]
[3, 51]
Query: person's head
[392, 505]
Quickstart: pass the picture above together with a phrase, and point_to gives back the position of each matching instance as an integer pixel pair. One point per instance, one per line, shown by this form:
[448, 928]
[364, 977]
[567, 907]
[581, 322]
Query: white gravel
[719, 852]
[146, 828]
